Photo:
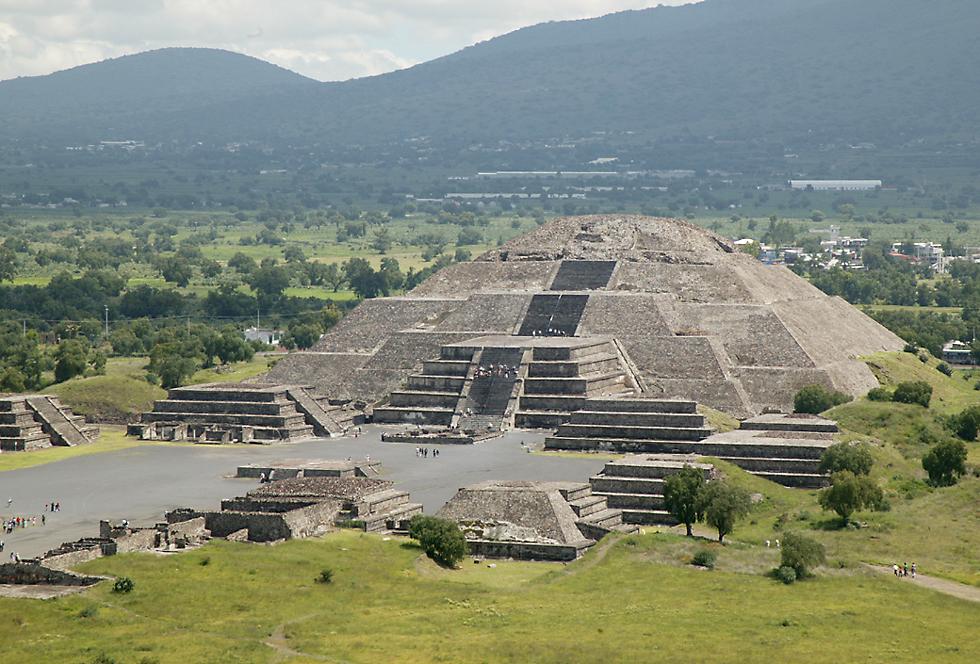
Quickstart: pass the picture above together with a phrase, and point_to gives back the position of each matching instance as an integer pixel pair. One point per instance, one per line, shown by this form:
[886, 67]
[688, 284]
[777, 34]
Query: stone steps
[598, 363]
[427, 383]
[606, 518]
[419, 398]
[631, 501]
[608, 483]
[413, 415]
[589, 505]
[446, 367]
[649, 517]
[773, 465]
[576, 492]
[704, 448]
[796, 480]
[606, 431]
[314, 414]
[633, 405]
[394, 519]
[634, 419]
[296, 419]
[273, 408]
[64, 428]
[583, 275]
[579, 385]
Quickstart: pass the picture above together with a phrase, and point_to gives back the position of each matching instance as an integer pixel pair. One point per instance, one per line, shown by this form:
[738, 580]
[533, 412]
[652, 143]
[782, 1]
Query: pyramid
[651, 307]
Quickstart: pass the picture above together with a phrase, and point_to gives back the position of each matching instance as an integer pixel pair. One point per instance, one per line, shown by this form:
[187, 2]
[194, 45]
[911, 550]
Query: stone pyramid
[689, 317]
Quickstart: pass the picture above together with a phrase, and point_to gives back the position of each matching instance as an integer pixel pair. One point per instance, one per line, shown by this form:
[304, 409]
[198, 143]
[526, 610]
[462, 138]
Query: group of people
[13, 523]
[497, 371]
[425, 451]
[550, 332]
[903, 570]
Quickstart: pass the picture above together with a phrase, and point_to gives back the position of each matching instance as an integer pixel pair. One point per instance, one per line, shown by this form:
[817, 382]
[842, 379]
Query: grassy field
[634, 601]
[111, 439]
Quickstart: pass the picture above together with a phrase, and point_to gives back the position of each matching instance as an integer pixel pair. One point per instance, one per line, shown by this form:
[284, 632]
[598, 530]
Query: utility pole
[106, 321]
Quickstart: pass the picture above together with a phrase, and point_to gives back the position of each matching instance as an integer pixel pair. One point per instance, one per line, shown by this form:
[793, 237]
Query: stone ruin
[306, 506]
[33, 421]
[532, 520]
[244, 413]
[588, 307]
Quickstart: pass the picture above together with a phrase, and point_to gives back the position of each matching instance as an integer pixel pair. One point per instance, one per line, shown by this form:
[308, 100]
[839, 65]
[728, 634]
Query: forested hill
[888, 71]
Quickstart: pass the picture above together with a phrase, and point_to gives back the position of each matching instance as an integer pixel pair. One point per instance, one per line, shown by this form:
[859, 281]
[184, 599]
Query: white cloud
[324, 39]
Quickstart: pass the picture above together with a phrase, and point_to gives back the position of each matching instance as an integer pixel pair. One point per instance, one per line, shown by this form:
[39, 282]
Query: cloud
[323, 39]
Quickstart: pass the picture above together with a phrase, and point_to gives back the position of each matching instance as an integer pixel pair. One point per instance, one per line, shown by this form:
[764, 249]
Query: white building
[265, 335]
[835, 185]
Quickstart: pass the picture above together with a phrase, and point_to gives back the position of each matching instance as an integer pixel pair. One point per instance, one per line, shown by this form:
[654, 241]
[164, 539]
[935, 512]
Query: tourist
[906, 570]
[10, 501]
[44, 520]
[2, 544]
[913, 566]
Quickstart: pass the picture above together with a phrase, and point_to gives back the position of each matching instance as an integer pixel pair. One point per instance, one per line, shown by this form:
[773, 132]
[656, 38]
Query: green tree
[849, 493]
[71, 359]
[269, 281]
[723, 504]
[8, 264]
[945, 462]
[232, 347]
[294, 254]
[855, 457]
[682, 492]
[966, 424]
[333, 277]
[382, 241]
[914, 392]
[243, 263]
[12, 380]
[801, 553]
[440, 539]
[815, 399]
[176, 270]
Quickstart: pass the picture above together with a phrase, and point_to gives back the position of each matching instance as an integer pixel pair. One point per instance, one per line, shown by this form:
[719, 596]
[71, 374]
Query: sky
[324, 39]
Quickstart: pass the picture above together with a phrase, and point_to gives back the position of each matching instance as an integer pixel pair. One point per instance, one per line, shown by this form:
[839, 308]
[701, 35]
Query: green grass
[235, 373]
[634, 604]
[111, 439]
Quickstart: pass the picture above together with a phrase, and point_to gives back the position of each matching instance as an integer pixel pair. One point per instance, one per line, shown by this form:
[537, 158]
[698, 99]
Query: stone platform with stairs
[34, 421]
[244, 413]
[533, 520]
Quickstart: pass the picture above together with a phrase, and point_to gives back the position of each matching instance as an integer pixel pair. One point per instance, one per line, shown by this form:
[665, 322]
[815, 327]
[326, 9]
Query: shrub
[440, 539]
[801, 554]
[966, 425]
[123, 584]
[89, 611]
[326, 576]
[205, 561]
[944, 369]
[723, 504]
[681, 491]
[704, 558]
[815, 399]
[786, 574]
[849, 493]
[846, 456]
[945, 462]
[879, 394]
[911, 348]
[914, 392]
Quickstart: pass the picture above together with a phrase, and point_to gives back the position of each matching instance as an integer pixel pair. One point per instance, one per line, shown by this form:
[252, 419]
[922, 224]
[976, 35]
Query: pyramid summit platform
[587, 307]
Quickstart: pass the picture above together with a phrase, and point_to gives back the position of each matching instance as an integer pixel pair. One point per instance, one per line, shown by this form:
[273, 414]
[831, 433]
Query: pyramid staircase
[39, 420]
[431, 397]
[595, 518]
[389, 510]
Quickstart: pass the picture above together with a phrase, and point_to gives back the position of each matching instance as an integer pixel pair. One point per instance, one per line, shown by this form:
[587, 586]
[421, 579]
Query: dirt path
[952, 588]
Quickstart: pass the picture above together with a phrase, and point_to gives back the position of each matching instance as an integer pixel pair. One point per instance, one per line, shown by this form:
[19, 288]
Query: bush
[966, 425]
[914, 392]
[815, 399]
[89, 611]
[945, 463]
[845, 456]
[326, 576]
[911, 348]
[786, 574]
[123, 584]
[849, 493]
[440, 539]
[801, 554]
[704, 558]
[945, 369]
[879, 394]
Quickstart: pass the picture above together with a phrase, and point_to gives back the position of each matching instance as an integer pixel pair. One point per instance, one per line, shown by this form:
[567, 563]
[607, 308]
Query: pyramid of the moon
[593, 306]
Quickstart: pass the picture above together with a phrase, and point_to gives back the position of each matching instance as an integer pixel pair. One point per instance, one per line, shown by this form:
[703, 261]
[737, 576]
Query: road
[140, 484]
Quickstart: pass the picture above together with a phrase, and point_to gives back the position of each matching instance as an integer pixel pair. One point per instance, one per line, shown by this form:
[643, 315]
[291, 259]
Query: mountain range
[889, 71]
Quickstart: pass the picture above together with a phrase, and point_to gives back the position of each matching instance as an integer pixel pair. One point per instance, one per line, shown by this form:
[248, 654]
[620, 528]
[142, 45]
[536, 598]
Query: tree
[856, 458]
[243, 263]
[723, 504]
[801, 553]
[440, 539]
[333, 277]
[382, 241]
[176, 270]
[945, 462]
[302, 336]
[363, 280]
[294, 254]
[914, 392]
[815, 399]
[71, 359]
[12, 380]
[8, 264]
[269, 281]
[232, 347]
[849, 493]
[681, 496]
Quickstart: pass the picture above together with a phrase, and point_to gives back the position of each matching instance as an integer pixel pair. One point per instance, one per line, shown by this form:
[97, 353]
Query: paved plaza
[140, 484]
